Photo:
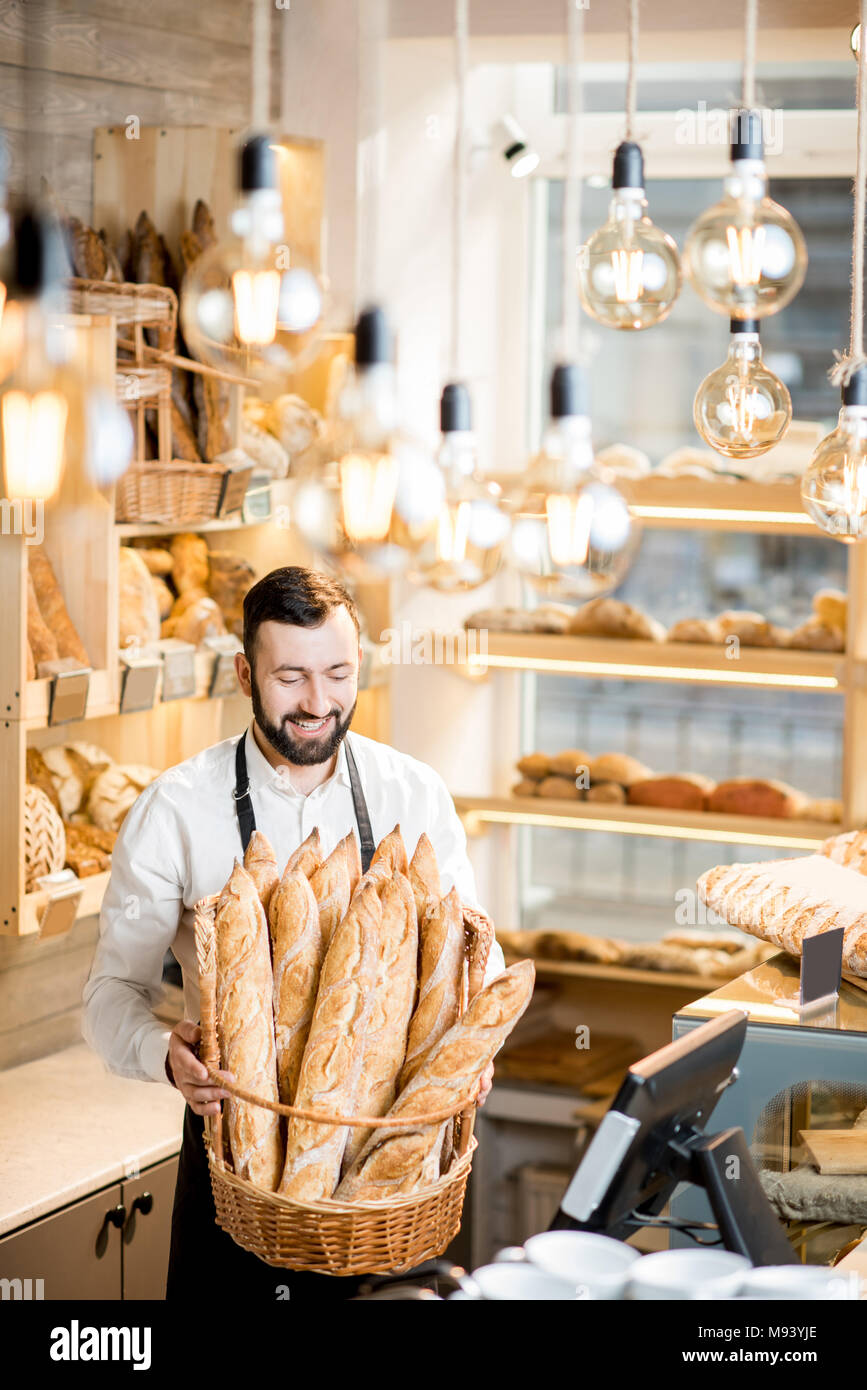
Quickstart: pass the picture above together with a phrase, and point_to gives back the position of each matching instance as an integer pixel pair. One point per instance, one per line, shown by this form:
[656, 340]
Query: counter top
[768, 994]
[71, 1127]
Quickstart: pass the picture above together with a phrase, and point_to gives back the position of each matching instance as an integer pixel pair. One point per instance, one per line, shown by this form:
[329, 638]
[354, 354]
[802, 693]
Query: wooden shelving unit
[693, 504]
[619, 974]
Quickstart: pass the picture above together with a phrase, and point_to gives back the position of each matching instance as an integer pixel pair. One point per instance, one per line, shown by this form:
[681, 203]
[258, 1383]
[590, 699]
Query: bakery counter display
[52, 643]
[368, 1002]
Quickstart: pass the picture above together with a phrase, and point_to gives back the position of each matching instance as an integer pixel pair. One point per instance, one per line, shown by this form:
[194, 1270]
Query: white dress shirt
[177, 844]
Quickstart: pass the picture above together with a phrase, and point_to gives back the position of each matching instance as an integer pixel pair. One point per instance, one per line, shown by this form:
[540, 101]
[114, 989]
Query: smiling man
[295, 768]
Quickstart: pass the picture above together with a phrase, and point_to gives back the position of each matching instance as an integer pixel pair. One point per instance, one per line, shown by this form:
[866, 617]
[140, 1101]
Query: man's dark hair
[293, 594]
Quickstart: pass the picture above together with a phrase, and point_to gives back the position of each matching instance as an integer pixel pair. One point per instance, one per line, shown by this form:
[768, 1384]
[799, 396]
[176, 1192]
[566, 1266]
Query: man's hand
[486, 1081]
[191, 1075]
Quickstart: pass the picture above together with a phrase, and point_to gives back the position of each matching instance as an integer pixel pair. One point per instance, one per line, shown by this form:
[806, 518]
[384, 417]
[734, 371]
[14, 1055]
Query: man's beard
[300, 751]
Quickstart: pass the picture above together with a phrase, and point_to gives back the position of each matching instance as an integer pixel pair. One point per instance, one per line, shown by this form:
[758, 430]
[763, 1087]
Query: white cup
[799, 1282]
[595, 1265]
[687, 1274]
[514, 1281]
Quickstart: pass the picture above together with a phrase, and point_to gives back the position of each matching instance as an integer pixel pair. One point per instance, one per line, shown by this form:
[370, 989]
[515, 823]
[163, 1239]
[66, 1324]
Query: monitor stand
[723, 1165]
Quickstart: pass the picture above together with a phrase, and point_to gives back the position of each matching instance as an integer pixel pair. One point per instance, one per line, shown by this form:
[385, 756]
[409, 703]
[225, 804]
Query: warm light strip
[667, 673]
[763, 1013]
[719, 514]
[631, 827]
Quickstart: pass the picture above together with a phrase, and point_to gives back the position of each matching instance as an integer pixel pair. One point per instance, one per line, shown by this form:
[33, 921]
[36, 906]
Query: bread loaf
[41, 639]
[212, 405]
[44, 837]
[115, 790]
[526, 787]
[184, 444]
[610, 792]
[297, 953]
[39, 775]
[189, 561]
[392, 851]
[752, 629]
[308, 856]
[748, 796]
[230, 578]
[830, 607]
[157, 559]
[551, 617]
[848, 849]
[403, 1160]
[74, 767]
[88, 849]
[378, 875]
[563, 787]
[266, 452]
[440, 981]
[52, 607]
[424, 876]
[827, 808]
[197, 621]
[706, 630]
[245, 1028]
[331, 1066]
[261, 864]
[618, 767]
[687, 791]
[353, 860]
[138, 609]
[577, 946]
[570, 762]
[535, 765]
[624, 461]
[610, 617]
[163, 596]
[385, 1040]
[501, 620]
[816, 636]
[331, 889]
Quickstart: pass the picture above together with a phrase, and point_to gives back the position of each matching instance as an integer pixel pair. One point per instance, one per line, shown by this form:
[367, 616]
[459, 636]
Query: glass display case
[797, 1073]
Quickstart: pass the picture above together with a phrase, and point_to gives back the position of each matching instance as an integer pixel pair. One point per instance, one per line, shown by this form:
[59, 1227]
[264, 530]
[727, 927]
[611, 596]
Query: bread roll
[501, 620]
[295, 423]
[563, 787]
[297, 953]
[577, 946]
[189, 561]
[41, 639]
[331, 1067]
[403, 1160]
[687, 791]
[230, 579]
[441, 977]
[138, 609]
[748, 796]
[526, 787]
[392, 850]
[816, 636]
[74, 767]
[610, 792]
[332, 889]
[610, 617]
[245, 1028]
[260, 862]
[551, 617]
[266, 452]
[828, 808]
[752, 629]
[197, 621]
[115, 790]
[696, 630]
[624, 461]
[535, 765]
[830, 607]
[570, 762]
[618, 767]
[52, 607]
[385, 1041]
[39, 775]
[424, 876]
[308, 856]
[163, 596]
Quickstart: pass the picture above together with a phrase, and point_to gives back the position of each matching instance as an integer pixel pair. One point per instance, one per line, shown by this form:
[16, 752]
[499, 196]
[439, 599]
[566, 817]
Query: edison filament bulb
[742, 409]
[834, 487]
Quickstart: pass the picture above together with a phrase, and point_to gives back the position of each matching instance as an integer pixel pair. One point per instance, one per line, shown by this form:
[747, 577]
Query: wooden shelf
[478, 812]
[280, 492]
[103, 699]
[769, 668]
[33, 904]
[695, 504]
[620, 973]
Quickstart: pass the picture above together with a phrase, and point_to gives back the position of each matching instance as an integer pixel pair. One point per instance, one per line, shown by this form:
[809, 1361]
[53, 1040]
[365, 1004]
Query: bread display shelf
[695, 504]
[479, 812]
[617, 973]
[279, 490]
[101, 699]
[33, 905]
[633, 659]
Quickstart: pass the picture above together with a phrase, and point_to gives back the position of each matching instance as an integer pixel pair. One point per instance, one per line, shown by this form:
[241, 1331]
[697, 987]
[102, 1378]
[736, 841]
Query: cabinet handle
[115, 1216]
[143, 1203]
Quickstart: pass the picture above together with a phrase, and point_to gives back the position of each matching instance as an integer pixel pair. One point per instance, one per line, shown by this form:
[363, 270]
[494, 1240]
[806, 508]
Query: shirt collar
[261, 772]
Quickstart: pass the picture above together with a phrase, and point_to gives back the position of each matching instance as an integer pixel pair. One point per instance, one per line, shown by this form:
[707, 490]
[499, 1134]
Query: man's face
[304, 685]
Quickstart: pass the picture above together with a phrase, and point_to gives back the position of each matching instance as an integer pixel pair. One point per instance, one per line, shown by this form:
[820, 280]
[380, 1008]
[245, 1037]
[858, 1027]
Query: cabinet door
[147, 1232]
[75, 1252]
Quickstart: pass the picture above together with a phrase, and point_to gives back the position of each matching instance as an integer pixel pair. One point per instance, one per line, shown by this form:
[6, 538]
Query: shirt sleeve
[140, 915]
[449, 840]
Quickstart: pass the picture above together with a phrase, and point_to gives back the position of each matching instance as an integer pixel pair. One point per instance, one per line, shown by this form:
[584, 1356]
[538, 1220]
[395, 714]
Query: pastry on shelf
[817, 636]
[501, 620]
[848, 849]
[199, 617]
[830, 607]
[570, 762]
[749, 796]
[611, 617]
[551, 617]
[156, 557]
[138, 608]
[688, 791]
[230, 579]
[88, 849]
[52, 607]
[619, 768]
[114, 792]
[690, 462]
[164, 596]
[607, 792]
[73, 768]
[752, 629]
[827, 808]
[44, 837]
[267, 453]
[564, 787]
[526, 787]
[706, 630]
[189, 561]
[534, 765]
[624, 461]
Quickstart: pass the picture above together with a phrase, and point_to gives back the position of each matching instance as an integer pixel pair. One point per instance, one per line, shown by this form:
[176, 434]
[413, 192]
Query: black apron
[202, 1256]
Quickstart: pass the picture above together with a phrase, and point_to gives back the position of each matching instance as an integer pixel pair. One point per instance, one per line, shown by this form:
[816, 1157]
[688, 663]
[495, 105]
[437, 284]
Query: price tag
[68, 691]
[179, 669]
[64, 891]
[223, 678]
[138, 682]
[257, 499]
[234, 488]
[821, 968]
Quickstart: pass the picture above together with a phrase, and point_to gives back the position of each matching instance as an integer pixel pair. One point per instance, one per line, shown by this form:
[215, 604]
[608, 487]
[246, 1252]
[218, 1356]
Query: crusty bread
[424, 876]
[753, 629]
[392, 851]
[43, 643]
[577, 946]
[331, 889]
[189, 561]
[570, 762]
[563, 787]
[52, 606]
[245, 1028]
[849, 849]
[618, 767]
[297, 950]
[353, 860]
[612, 792]
[385, 1040]
[526, 787]
[784, 900]
[686, 791]
[749, 796]
[331, 1066]
[440, 980]
[402, 1160]
[611, 617]
[827, 808]
[816, 636]
[830, 607]
[706, 630]
[535, 765]
[308, 856]
[378, 875]
[260, 862]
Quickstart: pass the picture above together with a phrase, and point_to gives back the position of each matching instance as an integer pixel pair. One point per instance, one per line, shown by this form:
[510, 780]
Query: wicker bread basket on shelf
[177, 492]
[331, 1237]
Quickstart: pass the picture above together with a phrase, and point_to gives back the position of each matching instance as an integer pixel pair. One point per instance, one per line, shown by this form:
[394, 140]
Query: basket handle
[298, 1112]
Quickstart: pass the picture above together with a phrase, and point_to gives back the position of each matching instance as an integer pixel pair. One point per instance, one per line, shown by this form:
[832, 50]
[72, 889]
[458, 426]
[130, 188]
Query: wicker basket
[331, 1237]
[177, 493]
[44, 837]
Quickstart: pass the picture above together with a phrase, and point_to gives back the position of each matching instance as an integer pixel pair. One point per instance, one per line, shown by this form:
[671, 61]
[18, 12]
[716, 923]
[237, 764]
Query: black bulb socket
[258, 165]
[456, 411]
[570, 391]
[628, 166]
[38, 259]
[747, 137]
[372, 338]
[743, 325]
[855, 390]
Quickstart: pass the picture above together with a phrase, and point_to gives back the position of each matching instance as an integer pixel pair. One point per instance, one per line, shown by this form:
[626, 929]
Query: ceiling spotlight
[521, 158]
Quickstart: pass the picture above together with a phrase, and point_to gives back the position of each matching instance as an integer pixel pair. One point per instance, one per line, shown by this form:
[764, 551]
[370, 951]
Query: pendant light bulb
[628, 270]
[746, 256]
[742, 409]
[250, 305]
[573, 536]
[834, 486]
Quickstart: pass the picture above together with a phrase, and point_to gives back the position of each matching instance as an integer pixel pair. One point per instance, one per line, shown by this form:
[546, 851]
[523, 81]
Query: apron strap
[243, 801]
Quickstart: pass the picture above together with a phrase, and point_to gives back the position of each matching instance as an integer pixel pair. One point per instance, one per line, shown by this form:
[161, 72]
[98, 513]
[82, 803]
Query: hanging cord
[852, 361]
[459, 195]
[632, 70]
[260, 75]
[572, 191]
[371, 132]
[750, 25]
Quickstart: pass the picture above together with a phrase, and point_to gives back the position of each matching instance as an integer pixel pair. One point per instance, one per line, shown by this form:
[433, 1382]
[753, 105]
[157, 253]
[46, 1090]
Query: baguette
[308, 856]
[296, 944]
[353, 860]
[402, 1160]
[261, 864]
[41, 639]
[849, 849]
[424, 876]
[378, 875]
[331, 1066]
[331, 889]
[441, 975]
[245, 1030]
[392, 850]
[52, 607]
[386, 1038]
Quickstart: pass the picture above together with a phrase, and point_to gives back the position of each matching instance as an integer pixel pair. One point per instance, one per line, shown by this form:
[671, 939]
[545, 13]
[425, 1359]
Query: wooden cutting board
[837, 1150]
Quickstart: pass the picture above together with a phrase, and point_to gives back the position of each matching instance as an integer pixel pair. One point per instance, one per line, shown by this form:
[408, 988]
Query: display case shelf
[693, 504]
[621, 974]
[479, 812]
